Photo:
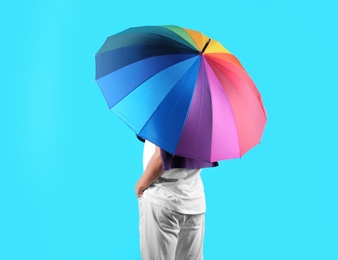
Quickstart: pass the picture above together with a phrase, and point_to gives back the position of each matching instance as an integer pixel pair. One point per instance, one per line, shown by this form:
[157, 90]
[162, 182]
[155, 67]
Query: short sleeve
[148, 151]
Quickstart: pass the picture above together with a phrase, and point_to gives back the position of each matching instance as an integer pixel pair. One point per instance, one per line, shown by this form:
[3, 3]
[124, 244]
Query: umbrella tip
[205, 46]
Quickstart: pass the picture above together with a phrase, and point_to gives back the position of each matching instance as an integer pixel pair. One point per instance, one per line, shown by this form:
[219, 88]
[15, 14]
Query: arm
[152, 172]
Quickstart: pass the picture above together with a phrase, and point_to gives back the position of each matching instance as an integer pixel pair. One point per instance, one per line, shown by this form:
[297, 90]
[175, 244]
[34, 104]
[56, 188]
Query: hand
[139, 190]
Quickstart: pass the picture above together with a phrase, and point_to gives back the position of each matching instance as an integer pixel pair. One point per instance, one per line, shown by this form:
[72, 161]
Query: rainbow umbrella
[182, 91]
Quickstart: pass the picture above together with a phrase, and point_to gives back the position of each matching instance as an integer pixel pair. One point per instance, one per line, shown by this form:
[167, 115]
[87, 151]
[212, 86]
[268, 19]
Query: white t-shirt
[178, 189]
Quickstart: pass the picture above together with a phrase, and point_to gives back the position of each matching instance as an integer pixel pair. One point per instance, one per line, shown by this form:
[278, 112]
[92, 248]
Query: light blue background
[69, 165]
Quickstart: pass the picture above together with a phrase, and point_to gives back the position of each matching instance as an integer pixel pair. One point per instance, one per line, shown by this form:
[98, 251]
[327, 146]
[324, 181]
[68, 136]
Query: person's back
[178, 189]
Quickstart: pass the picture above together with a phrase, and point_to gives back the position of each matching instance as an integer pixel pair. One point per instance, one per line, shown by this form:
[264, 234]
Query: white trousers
[169, 235]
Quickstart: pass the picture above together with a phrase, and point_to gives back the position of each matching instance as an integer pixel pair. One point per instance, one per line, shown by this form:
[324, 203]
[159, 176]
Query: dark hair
[140, 138]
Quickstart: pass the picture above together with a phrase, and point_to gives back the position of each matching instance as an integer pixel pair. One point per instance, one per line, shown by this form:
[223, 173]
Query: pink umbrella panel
[231, 106]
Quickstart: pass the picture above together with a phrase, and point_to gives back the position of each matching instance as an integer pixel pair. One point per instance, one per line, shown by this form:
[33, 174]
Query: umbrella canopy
[181, 90]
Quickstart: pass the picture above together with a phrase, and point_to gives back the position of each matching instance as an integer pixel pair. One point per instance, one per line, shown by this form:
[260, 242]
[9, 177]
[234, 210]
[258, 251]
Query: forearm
[149, 177]
[152, 172]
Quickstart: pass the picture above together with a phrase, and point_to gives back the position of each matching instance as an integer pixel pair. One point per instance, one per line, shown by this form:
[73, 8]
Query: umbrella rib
[185, 44]
[188, 45]
[193, 154]
[216, 58]
[212, 111]
[257, 95]
[164, 98]
[204, 89]
[145, 44]
[183, 30]
[232, 111]
[159, 55]
[146, 79]
[187, 34]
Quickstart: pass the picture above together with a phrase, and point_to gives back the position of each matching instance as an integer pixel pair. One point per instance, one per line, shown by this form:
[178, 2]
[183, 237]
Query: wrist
[139, 188]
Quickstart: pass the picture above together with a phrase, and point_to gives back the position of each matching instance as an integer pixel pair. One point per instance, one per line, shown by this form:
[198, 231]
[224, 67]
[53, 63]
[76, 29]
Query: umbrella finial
[205, 46]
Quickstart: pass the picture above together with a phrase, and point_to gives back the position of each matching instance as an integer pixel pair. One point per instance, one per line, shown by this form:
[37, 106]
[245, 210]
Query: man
[171, 206]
